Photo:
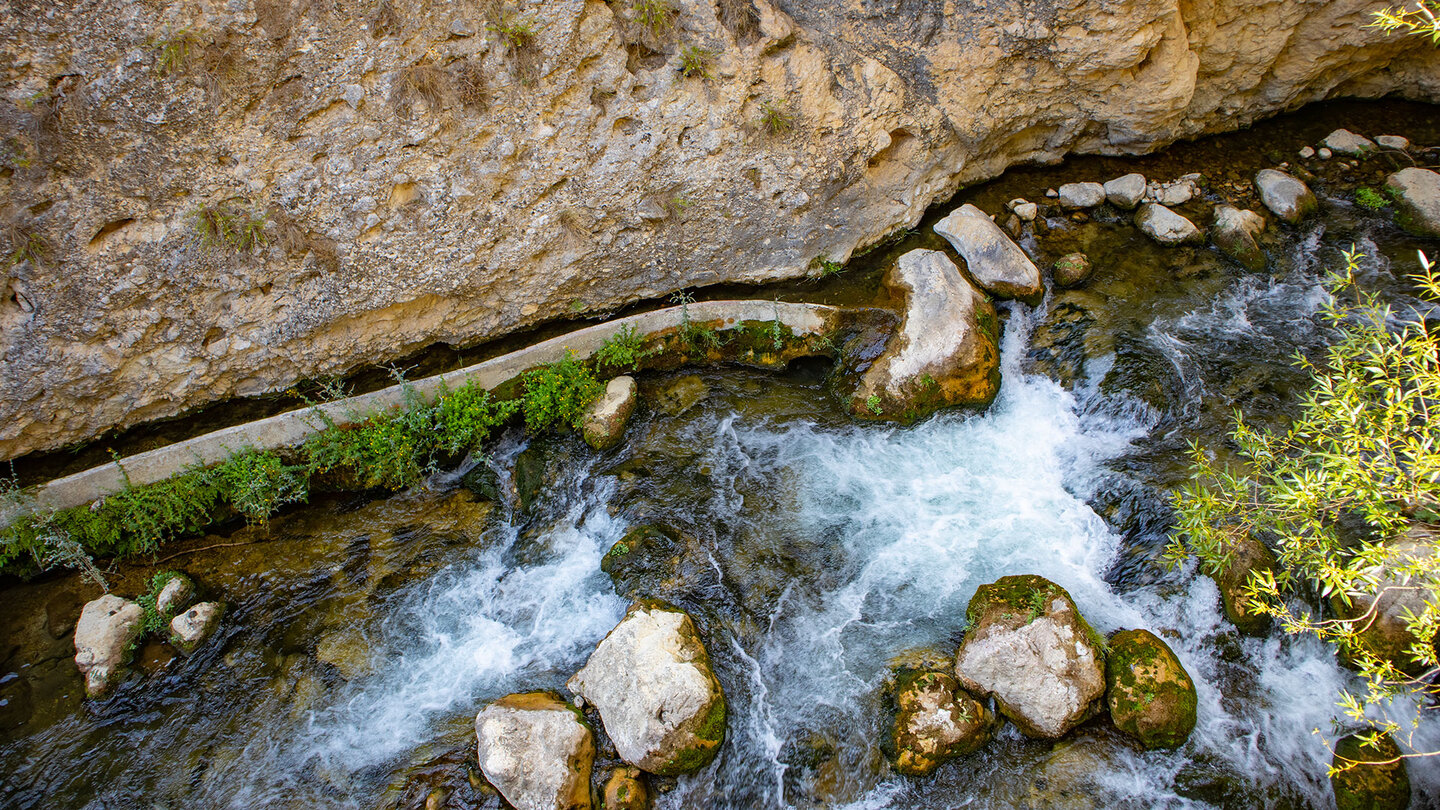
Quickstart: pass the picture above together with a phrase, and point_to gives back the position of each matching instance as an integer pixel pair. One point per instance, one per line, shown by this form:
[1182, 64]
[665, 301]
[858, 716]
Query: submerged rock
[1071, 270]
[1166, 226]
[1029, 647]
[1234, 233]
[1345, 142]
[195, 626]
[1285, 196]
[105, 638]
[1417, 200]
[1150, 695]
[536, 751]
[681, 395]
[646, 555]
[1081, 195]
[651, 681]
[936, 722]
[1365, 778]
[1024, 209]
[605, 419]
[946, 351]
[1249, 555]
[625, 791]
[1126, 192]
[996, 263]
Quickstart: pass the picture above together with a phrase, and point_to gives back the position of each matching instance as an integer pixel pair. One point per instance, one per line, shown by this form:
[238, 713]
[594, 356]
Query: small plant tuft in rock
[656, 16]
[623, 350]
[1367, 197]
[775, 119]
[697, 62]
[229, 226]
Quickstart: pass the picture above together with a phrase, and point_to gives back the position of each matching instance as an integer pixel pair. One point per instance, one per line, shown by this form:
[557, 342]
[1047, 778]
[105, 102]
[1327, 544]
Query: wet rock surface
[651, 681]
[1249, 555]
[1417, 195]
[936, 721]
[104, 639]
[1286, 197]
[1150, 695]
[1030, 649]
[536, 751]
[1234, 232]
[605, 419]
[195, 626]
[1166, 226]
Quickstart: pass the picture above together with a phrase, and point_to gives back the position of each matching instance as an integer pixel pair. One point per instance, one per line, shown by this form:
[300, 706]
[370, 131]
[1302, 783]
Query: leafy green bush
[258, 482]
[154, 622]
[556, 394]
[391, 450]
[466, 416]
[623, 350]
[1358, 470]
[1421, 21]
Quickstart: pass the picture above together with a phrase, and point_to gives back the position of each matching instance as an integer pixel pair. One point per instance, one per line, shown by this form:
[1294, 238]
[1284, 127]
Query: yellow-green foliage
[1422, 21]
[1364, 454]
[556, 394]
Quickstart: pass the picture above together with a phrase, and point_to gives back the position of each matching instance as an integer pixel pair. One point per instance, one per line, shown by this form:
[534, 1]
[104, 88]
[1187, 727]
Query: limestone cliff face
[418, 181]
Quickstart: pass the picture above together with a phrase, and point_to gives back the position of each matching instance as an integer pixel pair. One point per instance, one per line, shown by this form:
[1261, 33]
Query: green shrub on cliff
[1357, 471]
[257, 483]
[465, 417]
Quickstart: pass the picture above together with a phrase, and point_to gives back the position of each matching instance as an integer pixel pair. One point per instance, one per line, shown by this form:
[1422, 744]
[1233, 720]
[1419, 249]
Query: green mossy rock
[624, 790]
[1151, 696]
[1071, 270]
[530, 474]
[1370, 787]
[1250, 555]
[645, 556]
[936, 722]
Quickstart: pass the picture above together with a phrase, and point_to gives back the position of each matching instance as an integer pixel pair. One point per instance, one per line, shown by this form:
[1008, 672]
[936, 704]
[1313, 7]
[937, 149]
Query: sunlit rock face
[224, 198]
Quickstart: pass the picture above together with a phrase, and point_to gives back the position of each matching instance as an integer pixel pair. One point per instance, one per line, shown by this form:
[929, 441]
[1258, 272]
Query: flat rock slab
[996, 263]
[1345, 142]
[1081, 195]
[535, 750]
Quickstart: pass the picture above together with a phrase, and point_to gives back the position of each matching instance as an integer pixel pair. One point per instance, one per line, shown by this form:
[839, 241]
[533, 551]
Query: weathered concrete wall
[419, 184]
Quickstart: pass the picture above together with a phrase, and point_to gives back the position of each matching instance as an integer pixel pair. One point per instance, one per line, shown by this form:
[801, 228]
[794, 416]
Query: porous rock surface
[104, 635]
[419, 183]
[651, 681]
[1030, 649]
[946, 350]
[936, 721]
[535, 750]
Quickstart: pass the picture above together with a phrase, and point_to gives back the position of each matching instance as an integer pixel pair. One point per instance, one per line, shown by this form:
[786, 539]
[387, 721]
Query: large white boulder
[1285, 196]
[995, 262]
[1417, 200]
[1166, 226]
[1030, 649]
[105, 637]
[946, 351]
[651, 681]
[535, 750]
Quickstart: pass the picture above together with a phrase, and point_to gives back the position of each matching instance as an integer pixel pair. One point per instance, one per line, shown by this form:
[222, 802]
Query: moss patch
[1150, 695]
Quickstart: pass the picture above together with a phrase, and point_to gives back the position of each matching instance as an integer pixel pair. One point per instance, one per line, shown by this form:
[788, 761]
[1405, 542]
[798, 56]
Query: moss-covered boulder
[624, 790]
[1382, 624]
[651, 681]
[643, 560]
[1248, 556]
[1366, 778]
[1029, 647]
[1234, 233]
[1417, 200]
[936, 721]
[1150, 695]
